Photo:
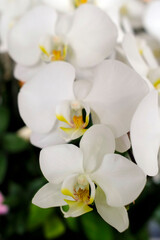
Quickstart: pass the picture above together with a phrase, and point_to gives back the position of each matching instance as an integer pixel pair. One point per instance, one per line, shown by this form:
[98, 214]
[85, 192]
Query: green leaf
[54, 228]
[3, 166]
[4, 119]
[143, 234]
[156, 215]
[12, 143]
[72, 223]
[13, 199]
[124, 235]
[37, 216]
[94, 226]
[20, 223]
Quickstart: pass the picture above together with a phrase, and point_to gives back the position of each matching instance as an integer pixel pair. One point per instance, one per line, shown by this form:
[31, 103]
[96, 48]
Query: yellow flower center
[156, 84]
[82, 195]
[156, 53]
[124, 10]
[58, 52]
[79, 2]
[78, 122]
[75, 124]
[141, 52]
[57, 55]
[81, 191]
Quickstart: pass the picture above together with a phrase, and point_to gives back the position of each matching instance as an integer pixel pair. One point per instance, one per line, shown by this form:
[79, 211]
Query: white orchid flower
[124, 13]
[10, 13]
[145, 134]
[92, 173]
[83, 38]
[52, 101]
[142, 59]
[152, 43]
[151, 19]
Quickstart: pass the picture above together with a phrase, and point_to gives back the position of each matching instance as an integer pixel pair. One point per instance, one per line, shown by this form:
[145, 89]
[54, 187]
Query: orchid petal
[42, 140]
[68, 185]
[154, 76]
[58, 162]
[84, 74]
[151, 18]
[63, 112]
[149, 56]
[76, 209]
[121, 180]
[81, 88]
[39, 96]
[26, 73]
[70, 134]
[113, 10]
[92, 189]
[115, 94]
[117, 217]
[63, 25]
[5, 23]
[10, 7]
[145, 134]
[91, 38]
[123, 143]
[49, 196]
[24, 37]
[132, 52]
[60, 5]
[95, 143]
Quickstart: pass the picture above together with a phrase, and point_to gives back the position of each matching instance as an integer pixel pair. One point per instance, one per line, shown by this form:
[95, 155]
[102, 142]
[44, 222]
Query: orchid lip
[81, 194]
[77, 3]
[75, 120]
[53, 49]
[156, 84]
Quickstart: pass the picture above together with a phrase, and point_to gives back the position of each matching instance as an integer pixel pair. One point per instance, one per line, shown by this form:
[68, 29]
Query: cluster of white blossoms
[91, 74]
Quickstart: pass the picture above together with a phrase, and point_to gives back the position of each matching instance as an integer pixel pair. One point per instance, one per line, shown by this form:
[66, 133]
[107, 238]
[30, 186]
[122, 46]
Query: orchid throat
[53, 49]
[76, 120]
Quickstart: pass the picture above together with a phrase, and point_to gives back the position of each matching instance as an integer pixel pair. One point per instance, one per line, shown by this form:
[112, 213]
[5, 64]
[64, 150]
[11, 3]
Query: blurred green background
[20, 178]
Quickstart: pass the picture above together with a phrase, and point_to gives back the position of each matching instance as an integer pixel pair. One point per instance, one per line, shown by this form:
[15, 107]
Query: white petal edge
[117, 217]
[145, 134]
[39, 97]
[123, 143]
[44, 140]
[120, 179]
[115, 94]
[24, 37]
[151, 19]
[49, 196]
[81, 88]
[58, 162]
[95, 143]
[132, 53]
[90, 22]
[24, 74]
[60, 5]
